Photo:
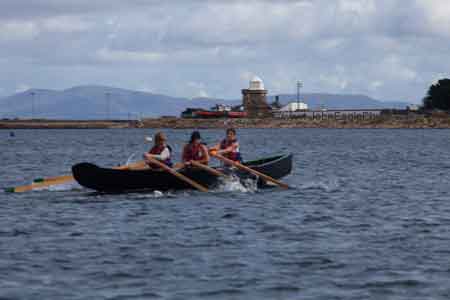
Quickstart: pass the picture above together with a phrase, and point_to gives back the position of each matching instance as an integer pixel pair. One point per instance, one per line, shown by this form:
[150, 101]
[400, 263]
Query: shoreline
[413, 121]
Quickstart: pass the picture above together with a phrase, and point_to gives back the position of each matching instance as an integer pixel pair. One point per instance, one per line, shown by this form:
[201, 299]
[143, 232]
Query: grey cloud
[384, 48]
[20, 9]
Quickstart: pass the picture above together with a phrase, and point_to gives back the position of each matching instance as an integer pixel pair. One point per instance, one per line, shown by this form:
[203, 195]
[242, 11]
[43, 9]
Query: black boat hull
[112, 180]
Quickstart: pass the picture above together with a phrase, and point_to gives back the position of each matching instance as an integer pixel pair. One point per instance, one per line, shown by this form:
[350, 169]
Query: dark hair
[231, 130]
[195, 136]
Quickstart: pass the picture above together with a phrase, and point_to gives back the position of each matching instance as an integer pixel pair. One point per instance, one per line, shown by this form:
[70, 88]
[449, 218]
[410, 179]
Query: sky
[386, 49]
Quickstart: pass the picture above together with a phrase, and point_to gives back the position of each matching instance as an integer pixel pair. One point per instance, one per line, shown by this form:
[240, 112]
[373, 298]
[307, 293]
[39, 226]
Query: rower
[160, 151]
[195, 150]
[229, 147]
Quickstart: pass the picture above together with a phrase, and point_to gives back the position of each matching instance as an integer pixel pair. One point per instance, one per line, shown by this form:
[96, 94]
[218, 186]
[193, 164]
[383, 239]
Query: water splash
[234, 184]
[152, 195]
[60, 187]
[158, 194]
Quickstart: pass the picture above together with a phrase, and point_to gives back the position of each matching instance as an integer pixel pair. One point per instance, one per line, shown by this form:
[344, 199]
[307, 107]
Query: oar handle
[177, 174]
[136, 165]
[250, 170]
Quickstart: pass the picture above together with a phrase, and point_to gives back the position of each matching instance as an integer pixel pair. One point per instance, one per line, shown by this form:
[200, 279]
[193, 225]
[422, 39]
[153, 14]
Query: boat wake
[327, 186]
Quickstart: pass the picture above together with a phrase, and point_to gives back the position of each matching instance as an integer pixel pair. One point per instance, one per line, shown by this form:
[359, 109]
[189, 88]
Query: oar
[40, 184]
[208, 169]
[56, 178]
[63, 178]
[133, 166]
[245, 168]
[46, 182]
[177, 174]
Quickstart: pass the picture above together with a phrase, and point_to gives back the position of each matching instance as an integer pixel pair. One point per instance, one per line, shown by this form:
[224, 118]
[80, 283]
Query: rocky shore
[389, 121]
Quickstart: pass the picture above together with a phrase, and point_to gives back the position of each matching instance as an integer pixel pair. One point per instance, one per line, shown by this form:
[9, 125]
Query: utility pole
[108, 109]
[299, 86]
[32, 105]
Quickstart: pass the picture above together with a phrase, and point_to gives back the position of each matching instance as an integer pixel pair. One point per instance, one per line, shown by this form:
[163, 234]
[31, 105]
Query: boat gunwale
[269, 160]
[276, 158]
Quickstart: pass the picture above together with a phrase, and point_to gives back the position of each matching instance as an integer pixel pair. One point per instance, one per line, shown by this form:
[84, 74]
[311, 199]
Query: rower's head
[160, 138]
[195, 138]
[231, 134]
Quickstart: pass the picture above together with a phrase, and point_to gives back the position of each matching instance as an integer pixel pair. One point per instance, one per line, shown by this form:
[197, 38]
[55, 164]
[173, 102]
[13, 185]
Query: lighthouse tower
[254, 99]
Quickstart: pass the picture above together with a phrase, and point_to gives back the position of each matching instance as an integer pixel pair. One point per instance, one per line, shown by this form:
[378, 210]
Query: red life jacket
[158, 150]
[193, 152]
[233, 155]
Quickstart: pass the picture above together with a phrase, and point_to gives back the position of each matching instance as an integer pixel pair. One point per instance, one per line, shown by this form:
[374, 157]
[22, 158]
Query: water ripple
[369, 218]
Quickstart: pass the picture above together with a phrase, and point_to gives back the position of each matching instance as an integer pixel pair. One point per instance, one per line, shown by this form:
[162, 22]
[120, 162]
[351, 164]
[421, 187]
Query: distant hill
[333, 101]
[100, 102]
[94, 102]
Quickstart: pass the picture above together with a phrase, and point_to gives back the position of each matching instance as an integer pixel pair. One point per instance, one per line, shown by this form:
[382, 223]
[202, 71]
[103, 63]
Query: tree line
[438, 96]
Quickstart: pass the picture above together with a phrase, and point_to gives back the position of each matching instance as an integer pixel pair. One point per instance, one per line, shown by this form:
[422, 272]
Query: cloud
[29, 30]
[385, 48]
[196, 89]
[22, 88]
[375, 85]
[202, 94]
[246, 75]
[335, 82]
[21, 9]
[66, 24]
[437, 16]
[17, 31]
[144, 88]
[109, 55]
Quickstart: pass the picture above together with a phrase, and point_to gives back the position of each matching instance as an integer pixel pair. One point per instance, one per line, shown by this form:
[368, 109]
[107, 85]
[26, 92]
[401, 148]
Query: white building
[294, 106]
[221, 107]
[413, 107]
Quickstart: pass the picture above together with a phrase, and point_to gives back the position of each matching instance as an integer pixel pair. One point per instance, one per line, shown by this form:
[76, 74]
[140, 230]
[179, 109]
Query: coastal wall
[66, 124]
[383, 121]
[406, 121]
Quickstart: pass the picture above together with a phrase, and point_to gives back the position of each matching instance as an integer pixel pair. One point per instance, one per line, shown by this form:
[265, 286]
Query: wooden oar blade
[9, 190]
[56, 179]
[40, 184]
[49, 181]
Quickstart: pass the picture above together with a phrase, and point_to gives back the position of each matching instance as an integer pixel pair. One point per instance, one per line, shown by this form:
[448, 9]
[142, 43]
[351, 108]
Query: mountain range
[102, 102]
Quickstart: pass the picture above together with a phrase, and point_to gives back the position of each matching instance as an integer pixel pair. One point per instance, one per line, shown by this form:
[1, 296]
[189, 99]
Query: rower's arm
[216, 147]
[163, 156]
[233, 147]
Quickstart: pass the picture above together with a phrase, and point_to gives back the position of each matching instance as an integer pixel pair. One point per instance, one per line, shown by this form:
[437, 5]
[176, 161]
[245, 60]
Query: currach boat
[113, 180]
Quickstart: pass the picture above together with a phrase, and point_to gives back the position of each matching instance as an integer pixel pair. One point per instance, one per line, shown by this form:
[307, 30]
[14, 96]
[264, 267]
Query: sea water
[368, 217]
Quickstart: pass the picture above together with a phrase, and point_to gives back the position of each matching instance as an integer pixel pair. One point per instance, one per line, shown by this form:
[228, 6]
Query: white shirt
[165, 154]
